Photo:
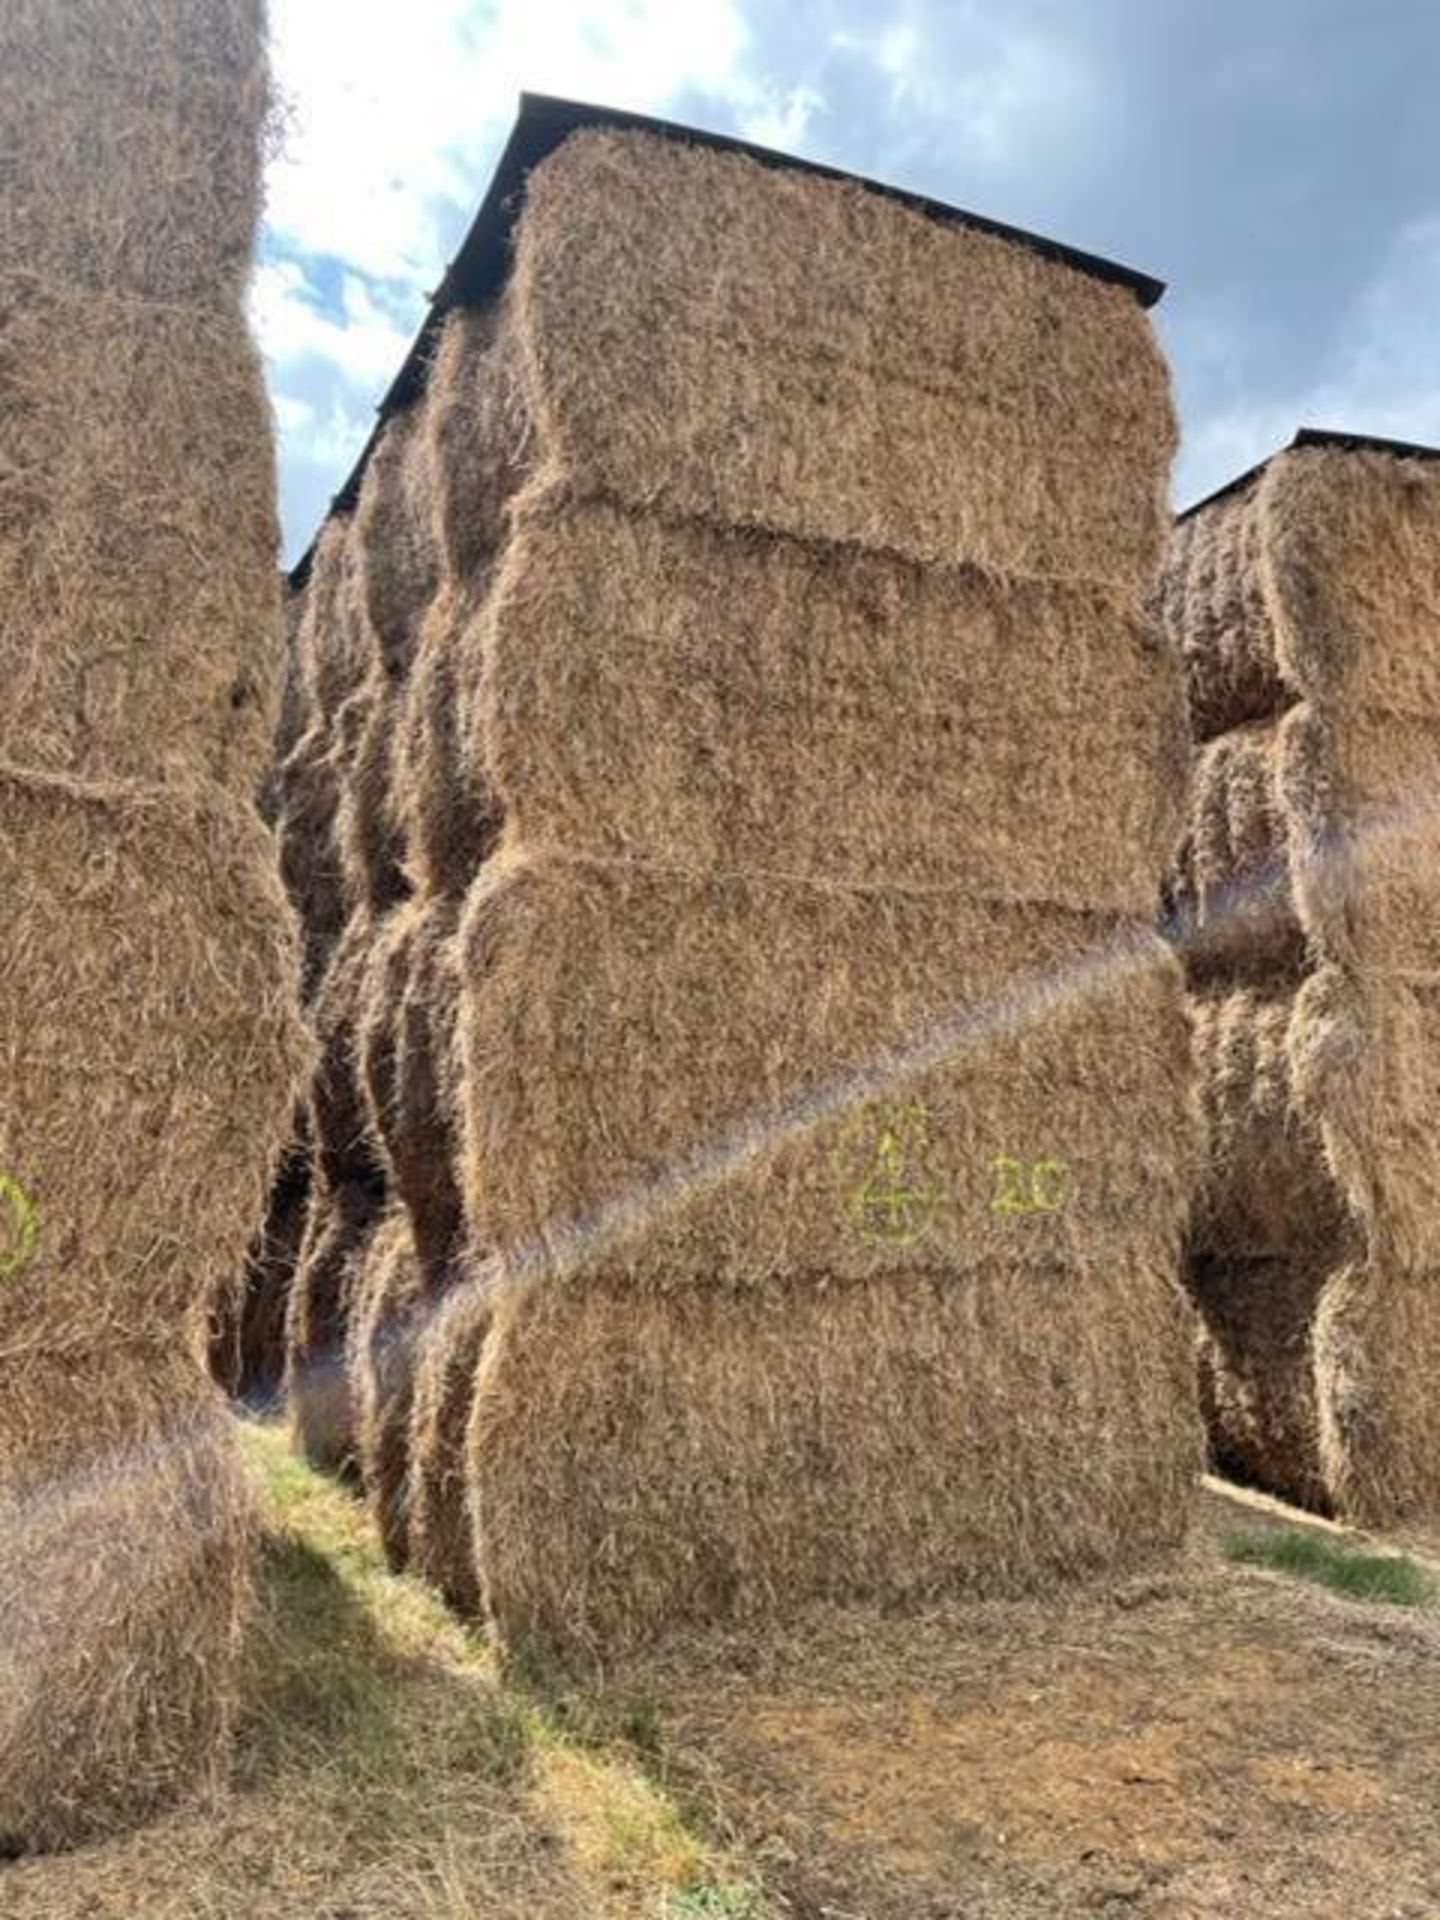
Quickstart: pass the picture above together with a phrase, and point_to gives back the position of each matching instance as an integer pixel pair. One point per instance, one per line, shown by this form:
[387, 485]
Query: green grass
[387, 1720]
[1330, 1563]
[711, 1902]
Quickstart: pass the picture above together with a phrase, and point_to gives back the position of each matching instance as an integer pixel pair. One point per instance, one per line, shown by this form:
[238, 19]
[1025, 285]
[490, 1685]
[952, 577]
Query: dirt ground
[1209, 1740]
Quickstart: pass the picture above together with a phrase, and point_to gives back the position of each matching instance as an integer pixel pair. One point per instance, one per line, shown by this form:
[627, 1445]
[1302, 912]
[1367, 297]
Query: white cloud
[359, 339]
[1385, 381]
[1012, 82]
[395, 112]
[779, 119]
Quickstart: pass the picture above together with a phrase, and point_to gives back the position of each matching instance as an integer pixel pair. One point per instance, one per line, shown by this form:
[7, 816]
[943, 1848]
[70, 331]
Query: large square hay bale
[149, 1051]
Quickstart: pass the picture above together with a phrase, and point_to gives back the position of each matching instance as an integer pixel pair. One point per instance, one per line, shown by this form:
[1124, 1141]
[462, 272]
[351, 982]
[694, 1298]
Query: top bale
[769, 349]
[1353, 547]
[130, 143]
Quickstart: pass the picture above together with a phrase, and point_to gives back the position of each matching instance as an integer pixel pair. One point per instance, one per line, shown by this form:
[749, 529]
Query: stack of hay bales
[149, 1051]
[384, 820]
[825, 1095]
[1305, 603]
[781, 1103]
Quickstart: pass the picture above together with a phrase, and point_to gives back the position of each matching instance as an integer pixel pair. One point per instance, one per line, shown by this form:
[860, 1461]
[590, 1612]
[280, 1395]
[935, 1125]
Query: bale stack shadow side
[149, 1047]
[1304, 606]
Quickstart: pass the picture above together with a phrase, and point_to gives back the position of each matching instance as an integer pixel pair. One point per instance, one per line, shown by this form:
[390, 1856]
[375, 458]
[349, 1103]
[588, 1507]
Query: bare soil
[1211, 1740]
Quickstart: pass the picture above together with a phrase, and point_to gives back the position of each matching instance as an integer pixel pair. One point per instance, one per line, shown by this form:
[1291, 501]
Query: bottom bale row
[593, 1464]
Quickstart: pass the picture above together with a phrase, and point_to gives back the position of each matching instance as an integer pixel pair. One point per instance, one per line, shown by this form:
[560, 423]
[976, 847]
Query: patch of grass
[1334, 1564]
[712, 1902]
[456, 1788]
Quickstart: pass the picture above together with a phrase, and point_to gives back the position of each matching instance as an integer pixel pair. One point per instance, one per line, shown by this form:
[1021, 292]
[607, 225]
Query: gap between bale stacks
[1304, 879]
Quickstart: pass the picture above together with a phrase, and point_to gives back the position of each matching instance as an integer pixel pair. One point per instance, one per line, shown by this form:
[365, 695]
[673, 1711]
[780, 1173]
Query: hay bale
[133, 138]
[124, 1586]
[1219, 618]
[700, 1456]
[310, 787]
[386, 1316]
[368, 841]
[1017, 1033]
[149, 1051]
[1361, 792]
[444, 807]
[290, 720]
[1258, 1388]
[641, 696]
[394, 537]
[130, 436]
[406, 1036]
[333, 651]
[1377, 1358]
[1231, 889]
[1352, 543]
[480, 438]
[346, 1150]
[1366, 1063]
[1316, 1367]
[447, 1362]
[713, 352]
[1265, 1188]
[749, 933]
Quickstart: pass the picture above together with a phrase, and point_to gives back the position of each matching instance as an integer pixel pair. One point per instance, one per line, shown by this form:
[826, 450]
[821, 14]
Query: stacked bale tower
[786, 777]
[149, 1050]
[1305, 603]
[384, 823]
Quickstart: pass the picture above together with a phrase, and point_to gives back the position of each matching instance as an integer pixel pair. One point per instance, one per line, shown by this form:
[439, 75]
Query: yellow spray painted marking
[1029, 1186]
[19, 1229]
[897, 1200]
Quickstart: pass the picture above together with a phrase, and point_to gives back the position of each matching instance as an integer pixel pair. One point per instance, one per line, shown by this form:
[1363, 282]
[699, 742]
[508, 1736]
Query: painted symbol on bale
[1029, 1186]
[897, 1199]
[19, 1230]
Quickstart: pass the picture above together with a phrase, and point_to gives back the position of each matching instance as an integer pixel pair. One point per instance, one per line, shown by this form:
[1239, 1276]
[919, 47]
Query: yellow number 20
[1029, 1186]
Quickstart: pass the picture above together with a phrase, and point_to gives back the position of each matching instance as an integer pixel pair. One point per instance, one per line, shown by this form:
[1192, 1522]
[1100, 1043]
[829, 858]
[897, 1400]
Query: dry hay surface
[971, 1033]
[1307, 875]
[441, 1537]
[637, 1463]
[752, 347]
[480, 437]
[149, 1051]
[125, 657]
[704, 698]
[1265, 1187]
[1231, 888]
[405, 1044]
[133, 132]
[385, 1319]
[443, 800]
[124, 1586]
[1188, 1746]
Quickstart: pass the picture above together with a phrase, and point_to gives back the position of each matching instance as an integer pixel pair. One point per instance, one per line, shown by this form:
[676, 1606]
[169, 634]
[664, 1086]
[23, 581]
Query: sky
[1276, 162]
